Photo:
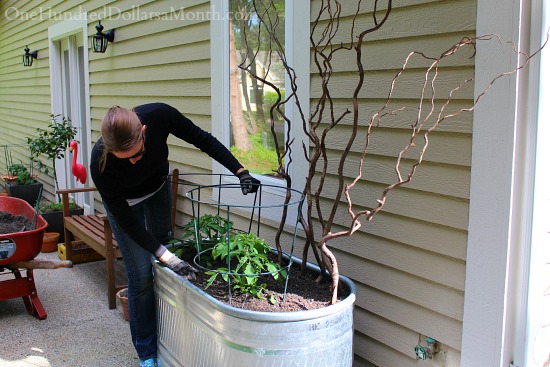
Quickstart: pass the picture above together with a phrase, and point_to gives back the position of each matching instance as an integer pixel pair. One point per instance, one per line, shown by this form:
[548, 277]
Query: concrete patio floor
[79, 331]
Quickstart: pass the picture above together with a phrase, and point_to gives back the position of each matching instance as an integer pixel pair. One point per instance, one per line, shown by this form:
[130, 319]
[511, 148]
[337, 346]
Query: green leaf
[249, 270]
[251, 280]
[213, 276]
[225, 276]
[258, 294]
[207, 226]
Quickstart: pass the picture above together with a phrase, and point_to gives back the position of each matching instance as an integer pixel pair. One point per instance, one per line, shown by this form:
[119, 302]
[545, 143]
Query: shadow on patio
[80, 330]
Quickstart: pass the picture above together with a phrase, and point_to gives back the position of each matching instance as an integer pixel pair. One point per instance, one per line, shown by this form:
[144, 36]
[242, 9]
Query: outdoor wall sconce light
[100, 39]
[29, 56]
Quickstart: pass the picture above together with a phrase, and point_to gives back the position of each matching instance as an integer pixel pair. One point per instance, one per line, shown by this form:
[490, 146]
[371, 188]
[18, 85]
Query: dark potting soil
[10, 223]
[303, 291]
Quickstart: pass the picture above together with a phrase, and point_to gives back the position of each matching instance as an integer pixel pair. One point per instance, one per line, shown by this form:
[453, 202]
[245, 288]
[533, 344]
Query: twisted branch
[324, 49]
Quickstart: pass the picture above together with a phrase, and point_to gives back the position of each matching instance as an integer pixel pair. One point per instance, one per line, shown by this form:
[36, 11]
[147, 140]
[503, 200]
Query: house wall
[24, 92]
[409, 263]
[155, 60]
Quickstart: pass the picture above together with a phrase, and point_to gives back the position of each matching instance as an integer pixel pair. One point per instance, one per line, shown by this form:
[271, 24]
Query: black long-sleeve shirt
[122, 180]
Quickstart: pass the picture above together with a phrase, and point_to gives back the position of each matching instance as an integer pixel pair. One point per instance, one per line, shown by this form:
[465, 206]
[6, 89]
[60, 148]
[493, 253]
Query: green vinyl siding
[409, 262]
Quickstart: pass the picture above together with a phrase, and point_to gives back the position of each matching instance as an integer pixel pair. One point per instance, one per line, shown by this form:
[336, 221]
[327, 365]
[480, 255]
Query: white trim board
[490, 192]
[501, 192]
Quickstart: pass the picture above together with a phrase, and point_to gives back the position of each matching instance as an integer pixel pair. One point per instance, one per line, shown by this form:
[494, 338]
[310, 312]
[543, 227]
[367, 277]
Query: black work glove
[248, 183]
[181, 267]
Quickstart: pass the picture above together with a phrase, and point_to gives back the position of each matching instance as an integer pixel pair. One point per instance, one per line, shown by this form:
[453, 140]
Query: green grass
[259, 160]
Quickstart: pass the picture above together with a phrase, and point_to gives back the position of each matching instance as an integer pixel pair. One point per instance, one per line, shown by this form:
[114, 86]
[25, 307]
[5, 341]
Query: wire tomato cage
[272, 214]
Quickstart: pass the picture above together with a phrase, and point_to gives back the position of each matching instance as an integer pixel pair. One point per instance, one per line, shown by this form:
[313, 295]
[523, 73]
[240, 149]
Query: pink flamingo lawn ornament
[78, 170]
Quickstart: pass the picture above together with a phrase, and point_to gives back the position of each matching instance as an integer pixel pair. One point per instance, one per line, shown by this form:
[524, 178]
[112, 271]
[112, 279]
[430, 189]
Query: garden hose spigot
[428, 351]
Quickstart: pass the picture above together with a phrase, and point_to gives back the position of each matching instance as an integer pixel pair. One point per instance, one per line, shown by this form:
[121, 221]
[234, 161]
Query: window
[250, 100]
[240, 105]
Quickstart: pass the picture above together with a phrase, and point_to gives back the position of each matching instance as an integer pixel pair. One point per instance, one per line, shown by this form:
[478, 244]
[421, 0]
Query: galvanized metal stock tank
[194, 329]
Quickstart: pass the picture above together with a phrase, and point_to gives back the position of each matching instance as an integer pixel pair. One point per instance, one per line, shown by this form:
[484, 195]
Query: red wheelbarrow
[17, 253]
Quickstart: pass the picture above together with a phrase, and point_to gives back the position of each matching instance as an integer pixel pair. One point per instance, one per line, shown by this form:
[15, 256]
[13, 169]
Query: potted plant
[52, 143]
[216, 241]
[238, 266]
[21, 183]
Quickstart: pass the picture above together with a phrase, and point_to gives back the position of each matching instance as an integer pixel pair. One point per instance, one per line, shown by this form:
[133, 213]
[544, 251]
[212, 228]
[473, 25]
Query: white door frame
[57, 32]
[533, 337]
[502, 189]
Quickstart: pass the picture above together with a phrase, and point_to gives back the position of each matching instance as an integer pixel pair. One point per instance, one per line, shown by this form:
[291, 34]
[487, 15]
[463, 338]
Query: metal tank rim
[271, 316]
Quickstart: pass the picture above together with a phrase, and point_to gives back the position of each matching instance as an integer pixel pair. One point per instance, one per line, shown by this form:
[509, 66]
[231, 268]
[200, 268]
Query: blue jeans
[154, 214]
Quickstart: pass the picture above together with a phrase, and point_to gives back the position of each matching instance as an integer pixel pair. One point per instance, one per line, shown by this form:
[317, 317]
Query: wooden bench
[95, 231]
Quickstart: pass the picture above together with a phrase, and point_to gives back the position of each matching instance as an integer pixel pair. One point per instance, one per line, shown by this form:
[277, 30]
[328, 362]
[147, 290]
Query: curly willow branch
[325, 27]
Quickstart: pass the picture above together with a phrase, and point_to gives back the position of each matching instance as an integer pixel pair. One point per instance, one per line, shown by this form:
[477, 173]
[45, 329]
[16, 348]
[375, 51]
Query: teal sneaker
[151, 362]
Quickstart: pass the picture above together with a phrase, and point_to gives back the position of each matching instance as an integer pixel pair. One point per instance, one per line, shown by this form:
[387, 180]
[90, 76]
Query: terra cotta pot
[122, 296]
[49, 243]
